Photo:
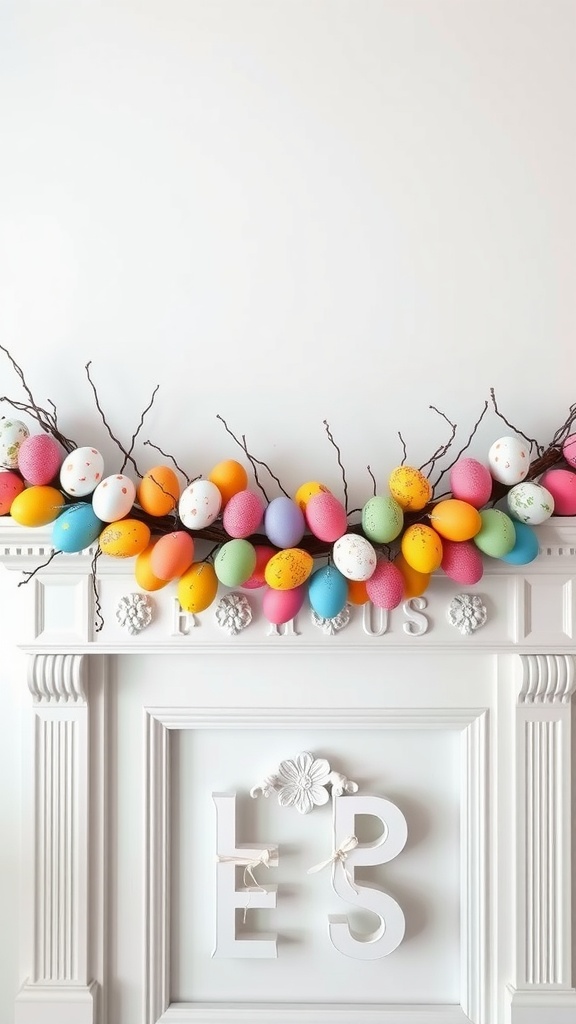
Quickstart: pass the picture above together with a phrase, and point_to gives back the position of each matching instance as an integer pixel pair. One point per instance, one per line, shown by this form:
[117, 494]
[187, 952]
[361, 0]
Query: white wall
[282, 212]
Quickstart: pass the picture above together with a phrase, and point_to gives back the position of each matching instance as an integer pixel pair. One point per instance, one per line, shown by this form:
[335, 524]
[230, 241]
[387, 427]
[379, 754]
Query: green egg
[497, 535]
[382, 519]
[235, 562]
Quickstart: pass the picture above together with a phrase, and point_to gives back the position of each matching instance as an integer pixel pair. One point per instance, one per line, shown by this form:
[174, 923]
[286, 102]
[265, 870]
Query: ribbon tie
[249, 866]
[338, 856]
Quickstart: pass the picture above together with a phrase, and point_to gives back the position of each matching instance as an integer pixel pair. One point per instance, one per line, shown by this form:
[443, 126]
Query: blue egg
[76, 528]
[327, 591]
[526, 547]
[284, 522]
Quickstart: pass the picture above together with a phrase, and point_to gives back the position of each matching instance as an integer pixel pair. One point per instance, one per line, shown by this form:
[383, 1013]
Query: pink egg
[569, 450]
[243, 514]
[172, 555]
[326, 517]
[280, 606]
[471, 481]
[39, 459]
[462, 561]
[11, 485]
[263, 555]
[562, 486]
[385, 588]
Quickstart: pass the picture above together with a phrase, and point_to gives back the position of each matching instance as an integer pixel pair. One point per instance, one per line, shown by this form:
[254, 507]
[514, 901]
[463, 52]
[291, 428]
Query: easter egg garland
[404, 533]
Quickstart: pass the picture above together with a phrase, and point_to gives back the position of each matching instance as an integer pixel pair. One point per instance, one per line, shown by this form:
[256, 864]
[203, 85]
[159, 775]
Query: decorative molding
[57, 678]
[233, 613]
[303, 783]
[547, 679]
[157, 869]
[186, 1013]
[334, 625]
[134, 612]
[467, 613]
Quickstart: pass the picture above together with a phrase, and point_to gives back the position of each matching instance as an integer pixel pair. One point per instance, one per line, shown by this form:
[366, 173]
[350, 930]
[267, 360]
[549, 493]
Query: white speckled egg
[530, 503]
[354, 556]
[509, 460]
[81, 471]
[12, 433]
[114, 498]
[199, 504]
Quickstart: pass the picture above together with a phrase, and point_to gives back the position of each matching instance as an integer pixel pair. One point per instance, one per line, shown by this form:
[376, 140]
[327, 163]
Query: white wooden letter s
[390, 932]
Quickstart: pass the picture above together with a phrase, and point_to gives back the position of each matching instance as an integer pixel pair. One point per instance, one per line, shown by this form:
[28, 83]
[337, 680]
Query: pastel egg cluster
[404, 534]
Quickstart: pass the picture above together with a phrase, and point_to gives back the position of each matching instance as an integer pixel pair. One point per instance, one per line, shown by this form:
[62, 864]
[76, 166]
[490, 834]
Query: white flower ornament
[303, 783]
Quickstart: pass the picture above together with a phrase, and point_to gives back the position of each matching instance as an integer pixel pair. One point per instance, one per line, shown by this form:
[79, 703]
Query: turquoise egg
[526, 547]
[327, 591]
[76, 528]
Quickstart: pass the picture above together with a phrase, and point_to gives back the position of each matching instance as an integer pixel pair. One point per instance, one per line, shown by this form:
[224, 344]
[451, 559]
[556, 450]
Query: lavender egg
[284, 523]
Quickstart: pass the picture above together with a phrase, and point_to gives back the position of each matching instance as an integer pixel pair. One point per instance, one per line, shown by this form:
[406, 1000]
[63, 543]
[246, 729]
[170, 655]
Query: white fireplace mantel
[379, 672]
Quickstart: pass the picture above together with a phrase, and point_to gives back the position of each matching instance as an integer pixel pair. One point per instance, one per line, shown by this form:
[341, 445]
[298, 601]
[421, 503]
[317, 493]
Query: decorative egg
[37, 506]
[386, 585]
[561, 484]
[415, 583]
[198, 587]
[263, 555]
[327, 591]
[357, 593]
[143, 574]
[526, 546]
[39, 458]
[497, 535]
[569, 450]
[422, 548]
[235, 562]
[354, 557]
[462, 562]
[530, 503]
[326, 517]
[12, 434]
[455, 519]
[76, 528]
[114, 497]
[81, 471]
[230, 477]
[409, 487]
[172, 555]
[280, 606]
[509, 460]
[307, 491]
[125, 538]
[158, 491]
[11, 485]
[382, 519]
[243, 514]
[471, 481]
[199, 504]
[288, 569]
[284, 522]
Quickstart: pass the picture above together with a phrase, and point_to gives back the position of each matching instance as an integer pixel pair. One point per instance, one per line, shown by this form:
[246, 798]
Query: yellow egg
[455, 519]
[125, 538]
[307, 491]
[288, 569]
[230, 478]
[409, 487]
[422, 548]
[158, 491]
[143, 574]
[37, 506]
[198, 587]
[415, 583]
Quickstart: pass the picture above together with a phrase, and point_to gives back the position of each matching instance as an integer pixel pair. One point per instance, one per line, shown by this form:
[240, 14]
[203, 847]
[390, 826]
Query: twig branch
[127, 456]
[338, 453]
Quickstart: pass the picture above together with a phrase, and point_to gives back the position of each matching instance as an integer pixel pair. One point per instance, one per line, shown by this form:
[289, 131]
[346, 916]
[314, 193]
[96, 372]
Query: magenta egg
[243, 514]
[462, 561]
[11, 485]
[280, 606]
[562, 486]
[385, 588]
[471, 481]
[569, 450]
[39, 459]
[326, 517]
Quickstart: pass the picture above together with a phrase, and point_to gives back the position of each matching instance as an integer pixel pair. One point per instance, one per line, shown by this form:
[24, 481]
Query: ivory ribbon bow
[339, 856]
[249, 866]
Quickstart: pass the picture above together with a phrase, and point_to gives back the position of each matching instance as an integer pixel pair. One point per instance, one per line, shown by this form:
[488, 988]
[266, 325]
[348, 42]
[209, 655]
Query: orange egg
[455, 519]
[415, 583]
[37, 505]
[143, 574]
[307, 491]
[230, 478]
[422, 548]
[357, 593]
[158, 491]
[125, 538]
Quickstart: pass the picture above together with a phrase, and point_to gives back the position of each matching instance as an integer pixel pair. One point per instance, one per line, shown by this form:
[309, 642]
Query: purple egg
[284, 523]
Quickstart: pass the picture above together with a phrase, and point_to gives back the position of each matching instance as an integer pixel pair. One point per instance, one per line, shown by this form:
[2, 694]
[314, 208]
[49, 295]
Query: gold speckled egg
[409, 487]
[198, 587]
[125, 538]
[288, 569]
